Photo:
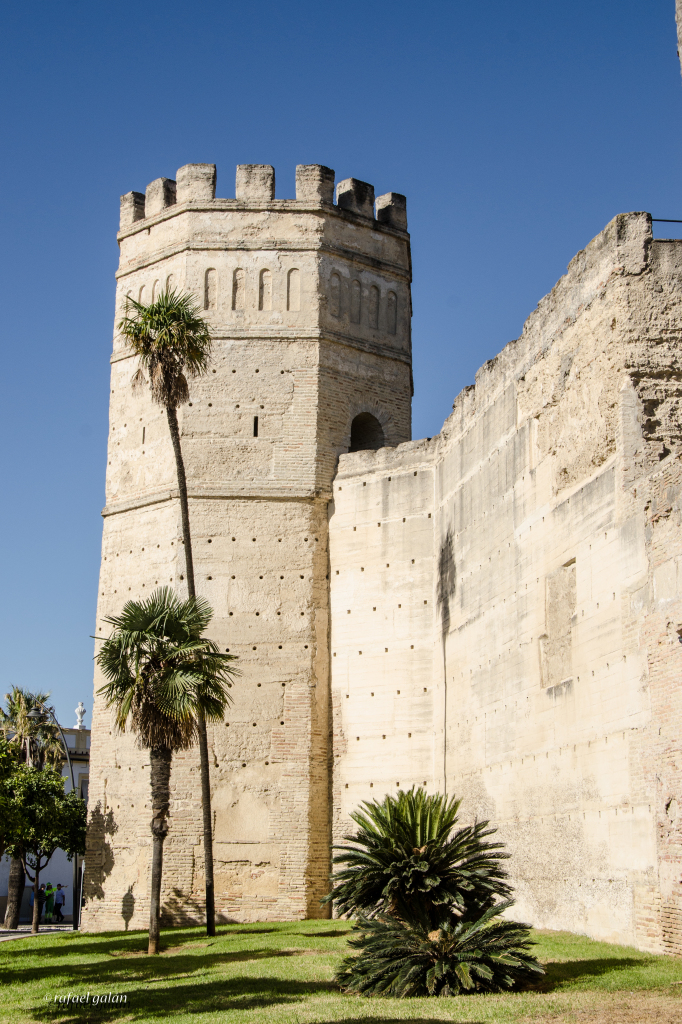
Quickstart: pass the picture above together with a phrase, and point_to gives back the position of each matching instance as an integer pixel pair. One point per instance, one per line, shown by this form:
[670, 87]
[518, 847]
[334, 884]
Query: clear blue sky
[516, 130]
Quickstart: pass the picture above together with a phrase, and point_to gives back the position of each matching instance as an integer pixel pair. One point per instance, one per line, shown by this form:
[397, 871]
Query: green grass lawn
[282, 973]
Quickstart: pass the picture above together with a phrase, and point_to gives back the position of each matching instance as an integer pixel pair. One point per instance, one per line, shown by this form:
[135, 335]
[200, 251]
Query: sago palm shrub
[404, 959]
[408, 857]
[163, 677]
[428, 897]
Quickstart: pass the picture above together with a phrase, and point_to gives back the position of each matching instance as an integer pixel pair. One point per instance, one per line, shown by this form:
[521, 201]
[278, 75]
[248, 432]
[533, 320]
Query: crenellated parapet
[332, 261]
[255, 184]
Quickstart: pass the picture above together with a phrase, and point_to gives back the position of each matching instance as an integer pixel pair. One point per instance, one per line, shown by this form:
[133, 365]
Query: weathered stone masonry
[496, 611]
[310, 307]
[506, 602]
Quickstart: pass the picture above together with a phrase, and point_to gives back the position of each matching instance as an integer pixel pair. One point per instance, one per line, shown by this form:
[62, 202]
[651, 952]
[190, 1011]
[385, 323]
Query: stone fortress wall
[506, 601]
[309, 303]
[494, 611]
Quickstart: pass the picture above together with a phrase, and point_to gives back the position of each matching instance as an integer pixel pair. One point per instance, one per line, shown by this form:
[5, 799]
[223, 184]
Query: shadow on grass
[135, 942]
[568, 972]
[324, 935]
[136, 966]
[195, 998]
[228, 930]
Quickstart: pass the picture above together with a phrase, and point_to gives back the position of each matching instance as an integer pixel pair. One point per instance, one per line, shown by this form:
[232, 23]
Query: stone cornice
[270, 245]
[272, 206]
[234, 493]
[314, 335]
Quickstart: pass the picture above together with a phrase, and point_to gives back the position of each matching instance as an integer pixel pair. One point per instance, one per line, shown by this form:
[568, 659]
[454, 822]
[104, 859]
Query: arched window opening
[210, 289]
[170, 283]
[374, 306]
[155, 291]
[366, 433]
[142, 296]
[391, 310]
[294, 290]
[265, 290]
[335, 295]
[238, 289]
[355, 302]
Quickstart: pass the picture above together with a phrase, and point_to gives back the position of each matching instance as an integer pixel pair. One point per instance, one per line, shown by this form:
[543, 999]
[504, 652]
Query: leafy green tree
[37, 743]
[407, 857]
[172, 340]
[8, 764]
[164, 677]
[408, 959]
[42, 819]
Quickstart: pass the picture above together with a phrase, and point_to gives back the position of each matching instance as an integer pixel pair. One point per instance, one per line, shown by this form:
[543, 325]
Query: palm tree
[163, 678]
[172, 340]
[37, 739]
[38, 744]
[408, 857]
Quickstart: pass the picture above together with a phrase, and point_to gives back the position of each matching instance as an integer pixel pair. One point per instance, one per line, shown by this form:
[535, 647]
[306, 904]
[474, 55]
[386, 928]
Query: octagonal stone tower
[309, 302]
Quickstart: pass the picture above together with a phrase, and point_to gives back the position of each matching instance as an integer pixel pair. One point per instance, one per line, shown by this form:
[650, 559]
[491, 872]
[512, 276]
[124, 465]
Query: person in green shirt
[49, 902]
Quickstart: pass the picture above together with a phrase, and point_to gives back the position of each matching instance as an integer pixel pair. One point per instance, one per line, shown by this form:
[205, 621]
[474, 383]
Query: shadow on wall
[447, 580]
[181, 909]
[366, 433]
[100, 826]
[128, 906]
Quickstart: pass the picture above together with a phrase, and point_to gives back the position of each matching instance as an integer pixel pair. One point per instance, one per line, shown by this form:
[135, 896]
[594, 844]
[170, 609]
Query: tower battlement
[255, 185]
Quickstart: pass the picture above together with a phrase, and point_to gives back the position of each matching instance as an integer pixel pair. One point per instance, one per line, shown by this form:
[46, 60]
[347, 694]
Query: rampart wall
[506, 601]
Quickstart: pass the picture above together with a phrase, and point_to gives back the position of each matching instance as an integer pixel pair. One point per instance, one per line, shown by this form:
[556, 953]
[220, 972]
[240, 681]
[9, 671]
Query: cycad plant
[408, 858]
[164, 677]
[400, 959]
[426, 897]
[172, 342]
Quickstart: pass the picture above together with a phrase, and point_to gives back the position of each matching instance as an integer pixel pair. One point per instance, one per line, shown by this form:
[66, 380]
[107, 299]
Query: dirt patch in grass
[635, 1008]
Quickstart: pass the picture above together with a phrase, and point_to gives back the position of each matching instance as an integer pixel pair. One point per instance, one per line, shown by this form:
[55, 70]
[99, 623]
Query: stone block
[196, 183]
[132, 209]
[391, 209]
[356, 196]
[160, 193]
[255, 183]
[314, 183]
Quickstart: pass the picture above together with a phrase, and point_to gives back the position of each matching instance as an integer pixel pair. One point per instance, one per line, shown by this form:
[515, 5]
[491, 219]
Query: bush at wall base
[403, 958]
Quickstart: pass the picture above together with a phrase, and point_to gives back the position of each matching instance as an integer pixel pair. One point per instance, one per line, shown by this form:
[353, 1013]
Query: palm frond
[402, 958]
[38, 740]
[172, 340]
[162, 673]
[407, 853]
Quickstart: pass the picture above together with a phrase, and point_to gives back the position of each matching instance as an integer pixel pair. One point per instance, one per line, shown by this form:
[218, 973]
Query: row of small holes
[371, 785]
[385, 652]
[374, 608]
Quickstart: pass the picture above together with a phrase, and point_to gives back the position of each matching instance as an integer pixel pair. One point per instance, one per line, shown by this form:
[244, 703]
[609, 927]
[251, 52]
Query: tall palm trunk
[203, 741]
[15, 892]
[160, 764]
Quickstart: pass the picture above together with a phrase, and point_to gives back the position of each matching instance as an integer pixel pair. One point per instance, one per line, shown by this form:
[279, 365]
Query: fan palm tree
[408, 857]
[164, 677]
[172, 340]
[38, 744]
[37, 739]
